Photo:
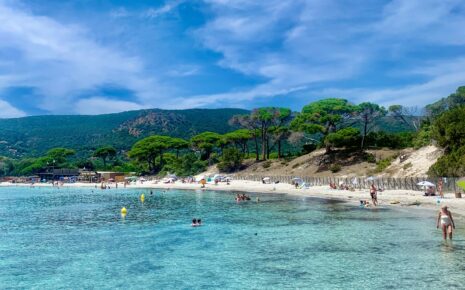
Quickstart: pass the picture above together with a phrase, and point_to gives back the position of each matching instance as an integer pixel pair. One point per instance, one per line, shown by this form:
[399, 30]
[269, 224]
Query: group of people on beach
[342, 186]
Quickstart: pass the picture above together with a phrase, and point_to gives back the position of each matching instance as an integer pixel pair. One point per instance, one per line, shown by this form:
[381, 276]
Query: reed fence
[387, 183]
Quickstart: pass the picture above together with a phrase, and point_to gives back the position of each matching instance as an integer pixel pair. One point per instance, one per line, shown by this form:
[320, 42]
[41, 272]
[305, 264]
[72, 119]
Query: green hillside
[32, 136]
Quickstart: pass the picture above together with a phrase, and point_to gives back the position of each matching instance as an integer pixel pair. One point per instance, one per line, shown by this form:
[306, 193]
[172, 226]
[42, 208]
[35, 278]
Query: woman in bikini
[446, 221]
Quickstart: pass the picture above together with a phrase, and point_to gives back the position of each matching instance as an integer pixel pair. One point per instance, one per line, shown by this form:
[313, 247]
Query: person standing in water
[374, 194]
[446, 221]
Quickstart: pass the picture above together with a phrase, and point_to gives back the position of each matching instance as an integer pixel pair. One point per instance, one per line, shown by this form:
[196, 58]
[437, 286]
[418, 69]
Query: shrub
[273, 155]
[231, 160]
[390, 140]
[347, 137]
[266, 164]
[423, 136]
[335, 168]
[452, 164]
[370, 158]
[407, 166]
[307, 148]
[383, 164]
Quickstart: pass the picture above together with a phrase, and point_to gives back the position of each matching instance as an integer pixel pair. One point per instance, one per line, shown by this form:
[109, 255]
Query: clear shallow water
[76, 239]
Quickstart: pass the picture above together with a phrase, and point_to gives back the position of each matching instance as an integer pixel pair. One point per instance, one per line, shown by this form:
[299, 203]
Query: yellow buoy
[124, 211]
[142, 197]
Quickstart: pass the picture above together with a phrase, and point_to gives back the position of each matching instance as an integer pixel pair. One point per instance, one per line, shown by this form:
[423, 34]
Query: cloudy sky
[91, 57]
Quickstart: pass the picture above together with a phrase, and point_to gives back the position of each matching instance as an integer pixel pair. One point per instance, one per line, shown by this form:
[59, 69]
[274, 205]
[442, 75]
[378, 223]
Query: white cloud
[8, 111]
[444, 78]
[102, 105]
[168, 7]
[184, 71]
[304, 44]
[284, 46]
[61, 61]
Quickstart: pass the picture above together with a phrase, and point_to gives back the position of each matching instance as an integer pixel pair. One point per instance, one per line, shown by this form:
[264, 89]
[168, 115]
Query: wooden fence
[407, 183]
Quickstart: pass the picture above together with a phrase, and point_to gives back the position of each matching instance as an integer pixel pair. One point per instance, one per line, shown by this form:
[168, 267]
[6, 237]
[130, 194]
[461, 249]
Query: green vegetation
[446, 126]
[34, 136]
[335, 168]
[231, 160]
[185, 142]
[323, 118]
[266, 164]
[106, 152]
[407, 165]
[205, 142]
[368, 113]
[382, 165]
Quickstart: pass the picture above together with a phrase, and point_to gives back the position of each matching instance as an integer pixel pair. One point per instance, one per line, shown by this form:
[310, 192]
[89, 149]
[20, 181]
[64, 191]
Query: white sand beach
[387, 198]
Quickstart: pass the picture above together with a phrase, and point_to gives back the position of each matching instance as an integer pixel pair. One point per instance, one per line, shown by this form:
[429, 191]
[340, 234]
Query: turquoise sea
[75, 238]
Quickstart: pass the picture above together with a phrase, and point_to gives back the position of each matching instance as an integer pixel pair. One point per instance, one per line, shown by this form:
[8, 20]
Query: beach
[388, 198]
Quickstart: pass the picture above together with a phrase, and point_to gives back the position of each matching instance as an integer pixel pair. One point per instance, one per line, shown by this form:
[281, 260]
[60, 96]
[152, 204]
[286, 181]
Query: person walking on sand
[374, 194]
[446, 221]
[440, 185]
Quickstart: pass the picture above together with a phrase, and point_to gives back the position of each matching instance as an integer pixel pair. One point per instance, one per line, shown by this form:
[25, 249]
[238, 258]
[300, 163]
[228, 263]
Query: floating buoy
[124, 211]
[142, 197]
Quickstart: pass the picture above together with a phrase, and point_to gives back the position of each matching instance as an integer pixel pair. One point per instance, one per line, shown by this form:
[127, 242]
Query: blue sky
[91, 57]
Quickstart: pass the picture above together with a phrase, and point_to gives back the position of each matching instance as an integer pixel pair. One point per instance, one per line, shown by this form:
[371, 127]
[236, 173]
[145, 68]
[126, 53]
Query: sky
[93, 57]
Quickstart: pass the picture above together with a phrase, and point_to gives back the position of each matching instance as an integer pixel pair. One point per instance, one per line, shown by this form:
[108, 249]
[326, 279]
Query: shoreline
[389, 198]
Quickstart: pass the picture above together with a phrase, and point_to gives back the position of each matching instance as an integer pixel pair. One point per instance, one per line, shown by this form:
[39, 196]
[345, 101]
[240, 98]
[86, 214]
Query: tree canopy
[148, 149]
[324, 117]
[105, 153]
[205, 142]
[367, 113]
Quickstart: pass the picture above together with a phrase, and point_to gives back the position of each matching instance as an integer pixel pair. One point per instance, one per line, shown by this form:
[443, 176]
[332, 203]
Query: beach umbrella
[425, 183]
[371, 178]
[266, 178]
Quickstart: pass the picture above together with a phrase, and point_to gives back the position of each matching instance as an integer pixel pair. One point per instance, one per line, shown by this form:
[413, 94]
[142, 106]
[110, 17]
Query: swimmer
[446, 221]
[151, 192]
[199, 222]
[194, 223]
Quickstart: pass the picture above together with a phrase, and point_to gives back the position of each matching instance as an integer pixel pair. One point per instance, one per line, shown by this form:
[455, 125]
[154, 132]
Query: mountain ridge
[33, 135]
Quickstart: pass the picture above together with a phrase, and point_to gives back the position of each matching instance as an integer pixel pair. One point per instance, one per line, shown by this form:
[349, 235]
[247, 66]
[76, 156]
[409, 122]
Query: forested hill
[32, 136]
